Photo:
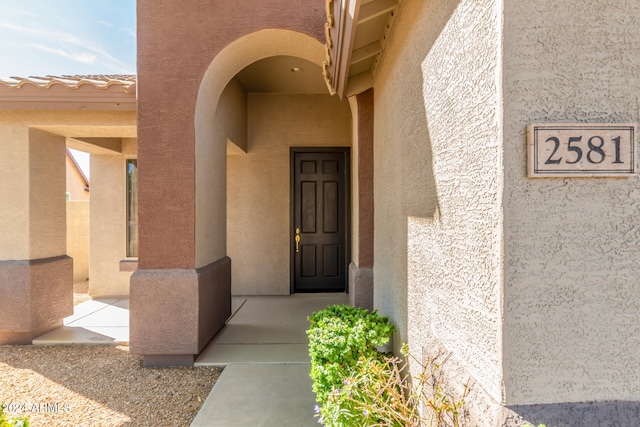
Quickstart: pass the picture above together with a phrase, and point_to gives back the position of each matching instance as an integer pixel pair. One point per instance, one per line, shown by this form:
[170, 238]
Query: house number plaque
[581, 150]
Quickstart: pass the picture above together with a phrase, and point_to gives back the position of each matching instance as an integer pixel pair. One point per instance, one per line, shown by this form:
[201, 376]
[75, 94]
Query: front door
[320, 229]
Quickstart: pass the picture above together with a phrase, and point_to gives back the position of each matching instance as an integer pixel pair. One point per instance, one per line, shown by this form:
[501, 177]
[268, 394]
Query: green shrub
[338, 337]
[355, 385]
[12, 422]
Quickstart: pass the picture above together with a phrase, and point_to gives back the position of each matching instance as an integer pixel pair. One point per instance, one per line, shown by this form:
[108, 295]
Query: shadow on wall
[582, 414]
[408, 189]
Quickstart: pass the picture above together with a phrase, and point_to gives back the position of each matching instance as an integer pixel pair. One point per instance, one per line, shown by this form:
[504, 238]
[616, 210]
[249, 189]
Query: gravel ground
[98, 386]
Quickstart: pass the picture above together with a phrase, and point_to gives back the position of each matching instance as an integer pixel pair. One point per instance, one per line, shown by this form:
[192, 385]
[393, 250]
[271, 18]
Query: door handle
[297, 239]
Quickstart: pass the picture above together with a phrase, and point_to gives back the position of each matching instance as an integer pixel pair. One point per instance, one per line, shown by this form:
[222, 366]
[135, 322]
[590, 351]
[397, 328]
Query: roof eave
[346, 22]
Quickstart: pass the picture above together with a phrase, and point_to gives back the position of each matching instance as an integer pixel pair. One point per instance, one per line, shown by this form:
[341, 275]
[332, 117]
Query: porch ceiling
[356, 32]
[283, 74]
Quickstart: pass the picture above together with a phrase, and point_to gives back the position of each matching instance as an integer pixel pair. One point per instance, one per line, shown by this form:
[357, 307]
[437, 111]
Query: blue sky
[58, 37]
[55, 37]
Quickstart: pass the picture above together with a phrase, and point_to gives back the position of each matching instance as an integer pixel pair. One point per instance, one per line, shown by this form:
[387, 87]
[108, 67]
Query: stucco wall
[175, 137]
[437, 185]
[25, 162]
[75, 182]
[47, 209]
[355, 185]
[230, 124]
[571, 245]
[78, 238]
[108, 222]
[14, 191]
[33, 184]
[258, 185]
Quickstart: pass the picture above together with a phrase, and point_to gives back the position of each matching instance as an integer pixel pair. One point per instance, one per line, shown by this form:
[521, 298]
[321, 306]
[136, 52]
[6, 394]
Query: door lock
[297, 239]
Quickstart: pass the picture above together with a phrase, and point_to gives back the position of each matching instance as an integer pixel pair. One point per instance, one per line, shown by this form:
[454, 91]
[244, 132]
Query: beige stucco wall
[530, 283]
[33, 223]
[437, 269]
[32, 170]
[47, 209]
[75, 182]
[78, 238]
[229, 127]
[213, 129]
[77, 222]
[108, 222]
[14, 174]
[571, 245]
[258, 191]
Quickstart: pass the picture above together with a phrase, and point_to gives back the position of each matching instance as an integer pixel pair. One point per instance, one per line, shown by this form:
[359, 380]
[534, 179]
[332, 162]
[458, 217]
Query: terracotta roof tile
[127, 81]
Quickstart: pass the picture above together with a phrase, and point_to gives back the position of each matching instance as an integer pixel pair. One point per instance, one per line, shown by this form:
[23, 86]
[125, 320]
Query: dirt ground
[98, 386]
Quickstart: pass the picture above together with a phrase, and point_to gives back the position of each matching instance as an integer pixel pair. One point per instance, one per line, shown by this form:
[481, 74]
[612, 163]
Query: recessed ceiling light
[296, 69]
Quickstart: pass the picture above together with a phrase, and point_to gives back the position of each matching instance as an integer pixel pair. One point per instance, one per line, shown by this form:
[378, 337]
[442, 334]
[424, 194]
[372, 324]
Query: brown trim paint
[365, 178]
[177, 312]
[361, 270]
[214, 299]
[128, 265]
[35, 295]
[171, 65]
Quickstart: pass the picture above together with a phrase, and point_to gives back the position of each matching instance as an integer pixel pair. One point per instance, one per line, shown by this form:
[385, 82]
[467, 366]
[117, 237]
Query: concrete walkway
[265, 382]
[263, 349]
[98, 321]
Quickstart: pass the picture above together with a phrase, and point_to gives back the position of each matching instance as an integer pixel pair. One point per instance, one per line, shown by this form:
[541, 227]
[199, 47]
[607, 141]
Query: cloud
[67, 36]
[85, 58]
[105, 24]
[128, 31]
[66, 45]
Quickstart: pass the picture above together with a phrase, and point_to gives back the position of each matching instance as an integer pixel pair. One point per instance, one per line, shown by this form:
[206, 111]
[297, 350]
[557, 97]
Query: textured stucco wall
[20, 168]
[75, 183]
[78, 238]
[230, 123]
[32, 172]
[177, 96]
[47, 208]
[14, 189]
[258, 192]
[232, 113]
[108, 222]
[437, 185]
[77, 222]
[220, 117]
[355, 186]
[572, 306]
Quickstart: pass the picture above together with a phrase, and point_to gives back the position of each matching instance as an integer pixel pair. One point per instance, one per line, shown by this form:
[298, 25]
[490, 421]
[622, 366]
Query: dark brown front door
[319, 219]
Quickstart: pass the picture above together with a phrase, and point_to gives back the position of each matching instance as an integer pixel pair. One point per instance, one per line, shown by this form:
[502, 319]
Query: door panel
[319, 215]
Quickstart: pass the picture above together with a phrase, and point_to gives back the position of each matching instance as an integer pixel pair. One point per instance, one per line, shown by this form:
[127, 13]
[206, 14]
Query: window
[132, 208]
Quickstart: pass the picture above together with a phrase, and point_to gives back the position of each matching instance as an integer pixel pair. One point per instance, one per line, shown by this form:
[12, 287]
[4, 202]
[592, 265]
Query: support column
[177, 302]
[174, 313]
[36, 275]
[361, 268]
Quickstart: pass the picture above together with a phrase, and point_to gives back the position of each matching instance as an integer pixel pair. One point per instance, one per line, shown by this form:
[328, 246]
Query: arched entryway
[266, 95]
[189, 230]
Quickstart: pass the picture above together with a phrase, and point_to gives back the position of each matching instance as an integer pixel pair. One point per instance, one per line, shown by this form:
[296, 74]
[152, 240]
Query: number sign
[581, 150]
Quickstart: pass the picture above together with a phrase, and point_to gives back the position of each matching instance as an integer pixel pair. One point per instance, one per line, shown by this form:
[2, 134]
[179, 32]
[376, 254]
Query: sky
[67, 37]
[57, 37]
